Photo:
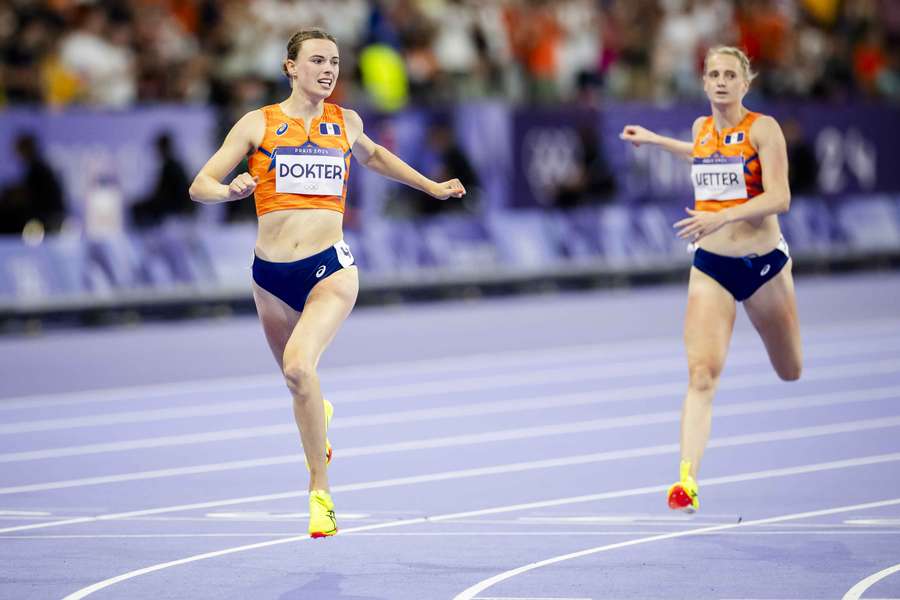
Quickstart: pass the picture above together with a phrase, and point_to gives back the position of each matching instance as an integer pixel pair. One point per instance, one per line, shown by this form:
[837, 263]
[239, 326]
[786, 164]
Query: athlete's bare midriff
[743, 238]
[289, 235]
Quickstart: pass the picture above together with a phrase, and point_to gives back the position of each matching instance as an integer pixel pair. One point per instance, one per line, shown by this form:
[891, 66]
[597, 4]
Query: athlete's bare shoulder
[764, 129]
[354, 124]
[254, 117]
[698, 123]
[250, 129]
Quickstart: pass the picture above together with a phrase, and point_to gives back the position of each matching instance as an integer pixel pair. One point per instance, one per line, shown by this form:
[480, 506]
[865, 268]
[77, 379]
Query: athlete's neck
[298, 106]
[728, 116]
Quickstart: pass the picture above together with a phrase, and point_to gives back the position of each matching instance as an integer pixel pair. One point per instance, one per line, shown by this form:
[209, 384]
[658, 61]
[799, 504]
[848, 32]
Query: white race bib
[345, 257]
[719, 178]
[309, 170]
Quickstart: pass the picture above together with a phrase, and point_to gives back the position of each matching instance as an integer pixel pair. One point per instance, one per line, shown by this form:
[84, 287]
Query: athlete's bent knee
[703, 377]
[298, 375]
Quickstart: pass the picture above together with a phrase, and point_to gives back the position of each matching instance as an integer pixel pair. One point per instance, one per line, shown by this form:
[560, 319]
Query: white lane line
[164, 441]
[888, 521]
[614, 455]
[439, 534]
[485, 533]
[529, 598]
[503, 435]
[460, 385]
[458, 411]
[23, 513]
[471, 592]
[141, 392]
[859, 589]
[152, 536]
[82, 593]
[467, 362]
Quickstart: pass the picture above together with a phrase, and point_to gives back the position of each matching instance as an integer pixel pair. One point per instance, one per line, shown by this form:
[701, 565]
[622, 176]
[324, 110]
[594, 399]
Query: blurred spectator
[98, 52]
[170, 193]
[869, 58]
[120, 52]
[803, 171]
[23, 56]
[37, 196]
[443, 160]
[592, 181]
[888, 82]
[836, 81]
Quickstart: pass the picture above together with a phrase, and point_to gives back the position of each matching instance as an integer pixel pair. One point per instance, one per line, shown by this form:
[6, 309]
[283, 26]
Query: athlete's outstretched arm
[766, 135]
[384, 162]
[243, 138]
[638, 135]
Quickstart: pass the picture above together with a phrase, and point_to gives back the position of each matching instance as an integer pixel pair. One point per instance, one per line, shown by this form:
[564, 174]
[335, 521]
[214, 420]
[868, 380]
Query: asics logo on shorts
[765, 270]
[320, 271]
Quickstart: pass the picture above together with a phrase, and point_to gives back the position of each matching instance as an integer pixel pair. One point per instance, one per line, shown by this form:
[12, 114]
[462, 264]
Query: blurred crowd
[116, 53]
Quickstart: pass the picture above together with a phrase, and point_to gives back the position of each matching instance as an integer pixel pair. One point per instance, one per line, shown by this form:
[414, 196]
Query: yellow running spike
[322, 522]
[685, 494]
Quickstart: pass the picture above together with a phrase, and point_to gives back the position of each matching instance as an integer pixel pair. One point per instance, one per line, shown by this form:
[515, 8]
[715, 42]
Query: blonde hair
[293, 45]
[737, 53]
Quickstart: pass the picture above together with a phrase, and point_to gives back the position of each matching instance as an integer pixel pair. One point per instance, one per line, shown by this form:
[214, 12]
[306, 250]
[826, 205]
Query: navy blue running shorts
[292, 282]
[742, 275]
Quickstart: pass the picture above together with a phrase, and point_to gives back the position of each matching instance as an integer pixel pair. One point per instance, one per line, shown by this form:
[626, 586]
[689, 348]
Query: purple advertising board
[851, 146]
[85, 146]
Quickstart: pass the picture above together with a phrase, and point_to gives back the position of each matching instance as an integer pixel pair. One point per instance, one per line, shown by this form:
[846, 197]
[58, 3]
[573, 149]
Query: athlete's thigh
[328, 305]
[773, 311]
[277, 318]
[708, 322]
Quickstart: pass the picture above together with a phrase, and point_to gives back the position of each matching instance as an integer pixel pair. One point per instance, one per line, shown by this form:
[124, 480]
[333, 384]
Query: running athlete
[304, 279]
[740, 177]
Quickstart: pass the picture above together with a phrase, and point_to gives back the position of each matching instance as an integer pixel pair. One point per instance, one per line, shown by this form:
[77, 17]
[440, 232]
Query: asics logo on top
[281, 129]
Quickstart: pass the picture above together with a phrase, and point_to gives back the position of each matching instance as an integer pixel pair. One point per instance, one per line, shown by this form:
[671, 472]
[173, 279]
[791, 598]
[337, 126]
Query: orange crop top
[726, 169]
[296, 170]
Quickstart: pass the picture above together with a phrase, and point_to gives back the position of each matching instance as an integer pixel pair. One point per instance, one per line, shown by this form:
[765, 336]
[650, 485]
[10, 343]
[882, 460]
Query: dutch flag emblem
[734, 138]
[329, 129]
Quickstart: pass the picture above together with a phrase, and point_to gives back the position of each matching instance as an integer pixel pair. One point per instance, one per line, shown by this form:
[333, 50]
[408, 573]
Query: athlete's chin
[318, 93]
[722, 99]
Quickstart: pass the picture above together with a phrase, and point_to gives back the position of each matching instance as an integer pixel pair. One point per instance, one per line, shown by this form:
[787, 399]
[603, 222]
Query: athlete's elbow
[375, 159]
[196, 192]
[784, 203]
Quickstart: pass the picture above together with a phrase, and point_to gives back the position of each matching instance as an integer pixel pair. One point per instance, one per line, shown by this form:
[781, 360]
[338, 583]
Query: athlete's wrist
[432, 188]
[728, 216]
